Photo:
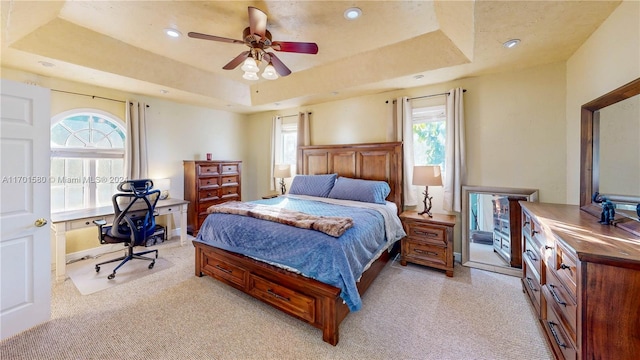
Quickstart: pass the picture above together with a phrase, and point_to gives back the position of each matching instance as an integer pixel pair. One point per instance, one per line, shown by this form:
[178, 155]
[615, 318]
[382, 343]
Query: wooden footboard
[307, 299]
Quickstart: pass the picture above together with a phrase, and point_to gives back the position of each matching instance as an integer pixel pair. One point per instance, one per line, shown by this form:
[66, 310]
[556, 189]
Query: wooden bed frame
[309, 300]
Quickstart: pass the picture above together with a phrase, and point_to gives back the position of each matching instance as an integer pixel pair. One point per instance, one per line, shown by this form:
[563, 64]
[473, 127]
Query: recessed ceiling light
[163, 91]
[172, 32]
[510, 44]
[334, 93]
[352, 13]
[419, 76]
[46, 64]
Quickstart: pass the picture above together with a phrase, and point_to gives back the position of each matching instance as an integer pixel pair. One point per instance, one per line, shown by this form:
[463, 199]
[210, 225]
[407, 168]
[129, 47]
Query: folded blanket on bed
[330, 225]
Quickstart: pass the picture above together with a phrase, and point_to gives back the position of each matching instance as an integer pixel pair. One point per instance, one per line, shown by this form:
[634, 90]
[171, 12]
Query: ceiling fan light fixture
[250, 65]
[269, 72]
[352, 13]
[250, 75]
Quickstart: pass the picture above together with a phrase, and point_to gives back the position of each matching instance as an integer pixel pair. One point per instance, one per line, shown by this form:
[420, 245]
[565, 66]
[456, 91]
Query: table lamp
[163, 185]
[281, 172]
[428, 175]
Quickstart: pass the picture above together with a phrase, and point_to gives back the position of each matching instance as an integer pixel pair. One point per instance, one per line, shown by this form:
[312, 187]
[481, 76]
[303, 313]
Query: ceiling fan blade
[296, 47]
[281, 68]
[236, 61]
[257, 21]
[196, 35]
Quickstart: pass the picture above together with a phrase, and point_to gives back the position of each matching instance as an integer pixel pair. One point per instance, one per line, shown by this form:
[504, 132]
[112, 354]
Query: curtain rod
[428, 96]
[286, 116]
[92, 96]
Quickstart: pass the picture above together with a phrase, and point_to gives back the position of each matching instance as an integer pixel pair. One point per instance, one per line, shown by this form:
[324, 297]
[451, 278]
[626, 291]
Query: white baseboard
[457, 257]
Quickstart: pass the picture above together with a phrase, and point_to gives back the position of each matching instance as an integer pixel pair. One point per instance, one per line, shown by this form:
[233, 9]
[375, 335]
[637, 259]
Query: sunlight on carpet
[88, 281]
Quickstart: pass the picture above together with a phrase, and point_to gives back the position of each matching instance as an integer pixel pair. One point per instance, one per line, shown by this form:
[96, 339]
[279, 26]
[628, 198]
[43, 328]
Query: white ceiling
[122, 45]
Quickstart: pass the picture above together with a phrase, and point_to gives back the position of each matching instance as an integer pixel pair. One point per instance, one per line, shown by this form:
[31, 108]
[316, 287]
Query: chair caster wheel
[151, 265]
[111, 276]
[97, 268]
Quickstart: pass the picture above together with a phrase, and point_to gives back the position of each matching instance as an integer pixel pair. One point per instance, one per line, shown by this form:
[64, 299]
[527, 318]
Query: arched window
[87, 158]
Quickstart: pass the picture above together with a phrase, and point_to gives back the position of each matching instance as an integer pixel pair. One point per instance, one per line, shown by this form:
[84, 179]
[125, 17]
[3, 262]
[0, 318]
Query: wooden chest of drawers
[583, 279]
[208, 183]
[429, 241]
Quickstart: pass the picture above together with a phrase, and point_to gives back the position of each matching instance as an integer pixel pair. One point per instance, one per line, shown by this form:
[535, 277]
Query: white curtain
[276, 148]
[455, 167]
[135, 165]
[401, 129]
[304, 137]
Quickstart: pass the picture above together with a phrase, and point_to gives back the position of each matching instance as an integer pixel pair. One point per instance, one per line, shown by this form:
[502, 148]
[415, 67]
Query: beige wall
[609, 59]
[175, 132]
[515, 130]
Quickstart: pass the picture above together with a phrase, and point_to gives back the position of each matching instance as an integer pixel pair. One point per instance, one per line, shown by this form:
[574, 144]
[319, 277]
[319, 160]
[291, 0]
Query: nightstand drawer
[421, 251]
[431, 234]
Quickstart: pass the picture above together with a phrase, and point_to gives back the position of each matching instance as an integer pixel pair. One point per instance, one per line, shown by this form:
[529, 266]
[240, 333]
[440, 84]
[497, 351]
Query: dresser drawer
[421, 251]
[168, 210]
[88, 222]
[221, 269]
[229, 168]
[532, 285]
[532, 255]
[228, 192]
[526, 224]
[229, 180]
[566, 268]
[431, 234]
[558, 336]
[208, 169]
[563, 302]
[208, 182]
[208, 195]
[291, 301]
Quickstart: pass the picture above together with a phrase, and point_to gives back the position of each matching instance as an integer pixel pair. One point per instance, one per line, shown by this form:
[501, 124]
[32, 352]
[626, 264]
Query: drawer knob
[525, 223]
[531, 256]
[547, 247]
[530, 283]
[208, 194]
[223, 269]
[552, 327]
[280, 297]
[425, 252]
[426, 233]
[535, 232]
[555, 295]
[564, 267]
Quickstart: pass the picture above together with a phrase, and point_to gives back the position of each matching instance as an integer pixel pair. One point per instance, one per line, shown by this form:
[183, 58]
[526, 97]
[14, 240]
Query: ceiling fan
[259, 40]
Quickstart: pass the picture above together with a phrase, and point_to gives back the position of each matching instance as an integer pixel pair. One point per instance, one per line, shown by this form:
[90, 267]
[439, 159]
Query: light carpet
[88, 281]
[409, 312]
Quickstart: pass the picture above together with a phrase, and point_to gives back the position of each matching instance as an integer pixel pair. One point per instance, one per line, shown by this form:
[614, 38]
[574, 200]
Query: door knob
[40, 222]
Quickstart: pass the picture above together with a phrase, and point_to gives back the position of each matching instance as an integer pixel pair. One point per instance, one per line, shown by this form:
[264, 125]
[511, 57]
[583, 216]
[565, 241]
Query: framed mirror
[609, 156]
[491, 228]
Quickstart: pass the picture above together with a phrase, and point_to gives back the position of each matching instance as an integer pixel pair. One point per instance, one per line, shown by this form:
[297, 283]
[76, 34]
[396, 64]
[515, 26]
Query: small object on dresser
[208, 156]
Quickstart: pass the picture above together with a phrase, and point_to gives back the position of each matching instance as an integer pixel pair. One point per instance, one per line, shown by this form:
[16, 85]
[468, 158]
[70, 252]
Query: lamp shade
[428, 175]
[282, 171]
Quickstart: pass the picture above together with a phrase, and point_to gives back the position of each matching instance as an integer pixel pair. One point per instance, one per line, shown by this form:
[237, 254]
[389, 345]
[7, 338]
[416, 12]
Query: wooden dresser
[429, 240]
[583, 279]
[507, 238]
[208, 183]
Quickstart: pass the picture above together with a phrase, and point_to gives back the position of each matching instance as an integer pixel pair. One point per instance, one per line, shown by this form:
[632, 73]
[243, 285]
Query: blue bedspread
[336, 261]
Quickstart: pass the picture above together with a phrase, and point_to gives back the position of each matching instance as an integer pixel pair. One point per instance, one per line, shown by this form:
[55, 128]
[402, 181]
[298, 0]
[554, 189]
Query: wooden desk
[78, 219]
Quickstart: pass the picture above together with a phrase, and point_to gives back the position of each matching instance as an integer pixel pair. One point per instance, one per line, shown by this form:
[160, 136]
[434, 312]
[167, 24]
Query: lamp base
[427, 202]
[283, 187]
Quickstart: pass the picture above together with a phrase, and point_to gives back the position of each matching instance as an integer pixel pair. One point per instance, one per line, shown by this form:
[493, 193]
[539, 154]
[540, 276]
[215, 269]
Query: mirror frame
[530, 194]
[589, 146]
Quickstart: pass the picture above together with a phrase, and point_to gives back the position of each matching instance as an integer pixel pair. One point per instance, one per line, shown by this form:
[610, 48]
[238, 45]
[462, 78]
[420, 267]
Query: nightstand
[429, 241]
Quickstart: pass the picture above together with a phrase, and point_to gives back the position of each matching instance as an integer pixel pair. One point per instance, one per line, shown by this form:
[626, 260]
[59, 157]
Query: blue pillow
[360, 190]
[313, 185]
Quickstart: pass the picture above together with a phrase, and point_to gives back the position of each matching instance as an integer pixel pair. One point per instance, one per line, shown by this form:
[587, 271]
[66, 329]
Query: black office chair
[133, 223]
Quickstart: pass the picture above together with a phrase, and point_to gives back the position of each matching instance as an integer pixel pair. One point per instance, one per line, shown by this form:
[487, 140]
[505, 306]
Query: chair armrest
[100, 222]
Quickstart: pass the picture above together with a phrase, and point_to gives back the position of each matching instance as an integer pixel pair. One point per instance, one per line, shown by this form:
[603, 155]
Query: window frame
[88, 155]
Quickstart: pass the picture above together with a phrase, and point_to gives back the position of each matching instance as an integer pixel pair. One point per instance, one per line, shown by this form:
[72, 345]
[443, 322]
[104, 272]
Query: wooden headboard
[374, 161]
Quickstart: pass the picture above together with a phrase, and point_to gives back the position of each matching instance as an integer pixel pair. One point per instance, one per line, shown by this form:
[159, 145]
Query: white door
[25, 247]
